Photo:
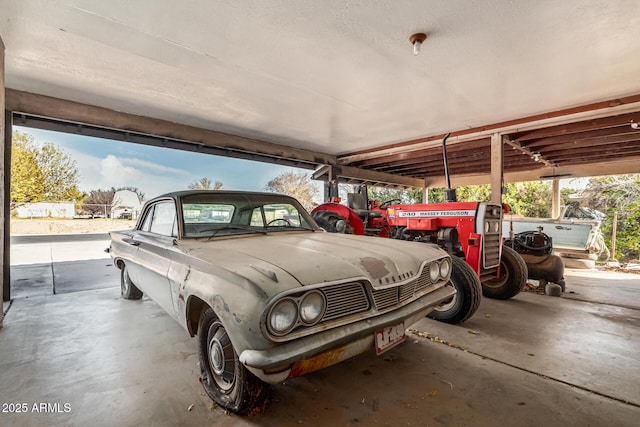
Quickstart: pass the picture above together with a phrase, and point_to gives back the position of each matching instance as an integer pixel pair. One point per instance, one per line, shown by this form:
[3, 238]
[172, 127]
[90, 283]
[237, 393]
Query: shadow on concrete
[55, 238]
[63, 277]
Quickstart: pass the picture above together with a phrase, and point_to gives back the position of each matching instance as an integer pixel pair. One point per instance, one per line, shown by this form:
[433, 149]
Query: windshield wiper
[234, 227]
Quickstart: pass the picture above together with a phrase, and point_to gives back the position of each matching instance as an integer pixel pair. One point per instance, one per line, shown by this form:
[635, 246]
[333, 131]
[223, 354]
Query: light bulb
[416, 47]
[416, 40]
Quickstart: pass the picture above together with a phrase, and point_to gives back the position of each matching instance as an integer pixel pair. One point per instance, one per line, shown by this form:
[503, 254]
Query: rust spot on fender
[317, 362]
[375, 267]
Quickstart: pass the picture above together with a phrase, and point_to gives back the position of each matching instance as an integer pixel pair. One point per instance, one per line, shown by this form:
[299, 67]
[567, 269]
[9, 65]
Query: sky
[154, 170]
[106, 163]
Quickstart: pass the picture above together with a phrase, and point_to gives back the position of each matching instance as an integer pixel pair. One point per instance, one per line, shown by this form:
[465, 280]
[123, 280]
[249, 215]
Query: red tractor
[469, 231]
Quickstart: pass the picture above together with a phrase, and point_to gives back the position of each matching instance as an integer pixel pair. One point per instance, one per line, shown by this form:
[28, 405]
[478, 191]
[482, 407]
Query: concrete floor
[530, 361]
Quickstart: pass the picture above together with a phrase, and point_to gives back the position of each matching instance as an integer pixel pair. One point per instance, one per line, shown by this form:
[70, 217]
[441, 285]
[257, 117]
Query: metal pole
[614, 231]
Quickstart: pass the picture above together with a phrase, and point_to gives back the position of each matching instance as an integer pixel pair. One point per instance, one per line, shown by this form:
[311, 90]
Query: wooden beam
[536, 155]
[506, 127]
[418, 155]
[582, 136]
[84, 114]
[578, 126]
[619, 167]
[357, 175]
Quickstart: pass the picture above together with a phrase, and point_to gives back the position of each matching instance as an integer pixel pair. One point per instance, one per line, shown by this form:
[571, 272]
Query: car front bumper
[318, 351]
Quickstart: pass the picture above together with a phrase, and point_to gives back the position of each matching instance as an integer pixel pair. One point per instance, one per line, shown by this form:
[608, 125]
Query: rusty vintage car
[268, 293]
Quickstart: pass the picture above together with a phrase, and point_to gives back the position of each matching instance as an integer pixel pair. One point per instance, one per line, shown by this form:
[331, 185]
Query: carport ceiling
[558, 79]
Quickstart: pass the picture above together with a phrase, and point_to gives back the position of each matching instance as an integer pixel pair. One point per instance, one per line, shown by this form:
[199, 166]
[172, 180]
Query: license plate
[389, 337]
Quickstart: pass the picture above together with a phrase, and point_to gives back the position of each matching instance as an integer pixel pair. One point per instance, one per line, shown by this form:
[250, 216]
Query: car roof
[183, 193]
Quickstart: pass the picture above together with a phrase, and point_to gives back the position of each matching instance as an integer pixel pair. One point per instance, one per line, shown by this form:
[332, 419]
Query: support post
[614, 232]
[425, 193]
[5, 189]
[7, 130]
[555, 200]
[497, 164]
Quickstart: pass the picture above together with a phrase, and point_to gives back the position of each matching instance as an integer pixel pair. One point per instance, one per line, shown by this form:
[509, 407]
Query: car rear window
[198, 213]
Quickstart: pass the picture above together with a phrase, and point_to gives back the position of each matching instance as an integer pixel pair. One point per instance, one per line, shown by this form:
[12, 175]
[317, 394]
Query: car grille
[352, 298]
[345, 299]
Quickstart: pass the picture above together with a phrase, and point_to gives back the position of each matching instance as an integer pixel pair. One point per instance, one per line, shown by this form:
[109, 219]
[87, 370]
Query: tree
[530, 199]
[41, 173]
[618, 194]
[205, 184]
[131, 188]
[27, 182]
[474, 193]
[98, 202]
[385, 194]
[297, 185]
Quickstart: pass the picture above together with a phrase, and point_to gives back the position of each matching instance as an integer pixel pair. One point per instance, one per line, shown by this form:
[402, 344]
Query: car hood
[320, 257]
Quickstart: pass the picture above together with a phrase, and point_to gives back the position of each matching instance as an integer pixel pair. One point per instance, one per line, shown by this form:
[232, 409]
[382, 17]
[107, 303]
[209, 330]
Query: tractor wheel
[467, 299]
[332, 222]
[513, 276]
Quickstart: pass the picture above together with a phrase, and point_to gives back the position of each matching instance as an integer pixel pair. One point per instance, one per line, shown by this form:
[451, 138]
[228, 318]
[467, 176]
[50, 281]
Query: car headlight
[312, 307]
[445, 268]
[283, 316]
[434, 272]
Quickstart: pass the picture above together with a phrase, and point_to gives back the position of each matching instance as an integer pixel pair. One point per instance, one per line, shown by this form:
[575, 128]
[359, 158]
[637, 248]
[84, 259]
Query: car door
[153, 256]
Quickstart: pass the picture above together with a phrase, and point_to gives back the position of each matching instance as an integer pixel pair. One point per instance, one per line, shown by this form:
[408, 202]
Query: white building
[126, 204]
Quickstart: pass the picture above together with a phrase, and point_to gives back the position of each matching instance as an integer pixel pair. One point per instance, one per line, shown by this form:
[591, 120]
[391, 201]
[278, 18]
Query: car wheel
[513, 276]
[127, 288]
[225, 379]
[467, 298]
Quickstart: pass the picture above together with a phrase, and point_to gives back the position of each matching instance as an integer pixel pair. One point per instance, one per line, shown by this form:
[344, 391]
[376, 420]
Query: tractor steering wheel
[389, 202]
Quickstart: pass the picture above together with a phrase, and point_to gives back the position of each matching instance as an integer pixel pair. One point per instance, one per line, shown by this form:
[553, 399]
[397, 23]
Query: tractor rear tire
[332, 222]
[513, 276]
[467, 299]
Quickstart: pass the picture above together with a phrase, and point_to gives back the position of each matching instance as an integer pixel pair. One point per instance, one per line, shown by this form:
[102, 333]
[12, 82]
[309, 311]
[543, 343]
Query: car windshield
[222, 214]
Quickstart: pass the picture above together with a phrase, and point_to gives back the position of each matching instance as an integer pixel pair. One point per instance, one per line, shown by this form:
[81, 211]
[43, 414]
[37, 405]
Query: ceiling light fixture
[416, 40]
[634, 125]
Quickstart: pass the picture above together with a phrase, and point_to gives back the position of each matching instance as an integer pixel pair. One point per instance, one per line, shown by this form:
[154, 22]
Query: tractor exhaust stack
[449, 193]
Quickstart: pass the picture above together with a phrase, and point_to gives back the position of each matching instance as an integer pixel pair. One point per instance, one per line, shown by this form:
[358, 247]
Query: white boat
[575, 233]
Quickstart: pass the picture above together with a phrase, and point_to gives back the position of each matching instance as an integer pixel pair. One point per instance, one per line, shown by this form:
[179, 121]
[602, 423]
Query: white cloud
[153, 167]
[112, 171]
